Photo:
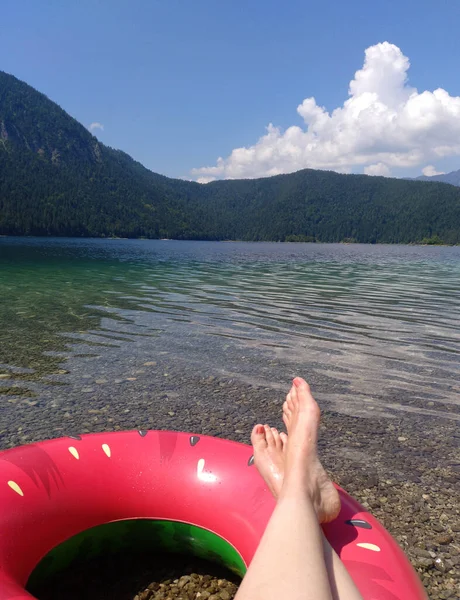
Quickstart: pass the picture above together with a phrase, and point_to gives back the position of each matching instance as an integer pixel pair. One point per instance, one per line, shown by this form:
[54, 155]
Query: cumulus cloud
[430, 171]
[378, 169]
[384, 124]
[96, 125]
[205, 179]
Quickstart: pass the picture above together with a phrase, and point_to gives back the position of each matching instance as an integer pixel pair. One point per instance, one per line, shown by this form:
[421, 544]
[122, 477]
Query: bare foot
[301, 416]
[269, 446]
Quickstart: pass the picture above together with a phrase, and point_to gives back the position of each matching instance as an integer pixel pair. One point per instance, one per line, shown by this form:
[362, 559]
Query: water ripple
[383, 322]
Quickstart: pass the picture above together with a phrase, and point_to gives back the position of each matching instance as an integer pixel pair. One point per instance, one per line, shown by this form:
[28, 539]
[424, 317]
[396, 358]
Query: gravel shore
[403, 467]
[143, 577]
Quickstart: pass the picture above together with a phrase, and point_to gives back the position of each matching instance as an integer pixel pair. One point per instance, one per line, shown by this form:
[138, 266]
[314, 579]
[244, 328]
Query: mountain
[453, 178]
[58, 179]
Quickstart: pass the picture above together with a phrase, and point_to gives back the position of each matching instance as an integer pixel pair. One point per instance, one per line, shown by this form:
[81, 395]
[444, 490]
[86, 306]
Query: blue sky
[177, 84]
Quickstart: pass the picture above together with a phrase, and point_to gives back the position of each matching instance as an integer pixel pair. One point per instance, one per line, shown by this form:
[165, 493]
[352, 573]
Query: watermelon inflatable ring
[83, 496]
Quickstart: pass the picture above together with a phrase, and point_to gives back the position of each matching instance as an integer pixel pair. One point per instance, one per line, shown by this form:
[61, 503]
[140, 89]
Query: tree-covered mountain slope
[58, 179]
[453, 178]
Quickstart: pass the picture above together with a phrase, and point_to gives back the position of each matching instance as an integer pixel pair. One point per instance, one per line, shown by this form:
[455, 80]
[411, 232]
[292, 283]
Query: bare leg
[342, 585]
[294, 560]
[269, 456]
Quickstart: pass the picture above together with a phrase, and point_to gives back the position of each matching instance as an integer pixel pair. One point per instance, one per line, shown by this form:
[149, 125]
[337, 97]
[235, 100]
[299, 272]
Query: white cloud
[205, 179]
[383, 124]
[96, 125]
[378, 169]
[431, 171]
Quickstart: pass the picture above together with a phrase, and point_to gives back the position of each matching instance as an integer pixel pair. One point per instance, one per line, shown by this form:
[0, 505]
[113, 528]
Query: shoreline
[226, 241]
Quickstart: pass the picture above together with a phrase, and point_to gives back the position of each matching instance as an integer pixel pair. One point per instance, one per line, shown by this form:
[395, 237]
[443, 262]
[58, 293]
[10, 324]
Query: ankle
[297, 485]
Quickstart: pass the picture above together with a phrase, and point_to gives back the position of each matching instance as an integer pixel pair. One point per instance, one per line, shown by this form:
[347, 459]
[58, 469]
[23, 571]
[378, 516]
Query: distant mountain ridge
[453, 178]
[56, 178]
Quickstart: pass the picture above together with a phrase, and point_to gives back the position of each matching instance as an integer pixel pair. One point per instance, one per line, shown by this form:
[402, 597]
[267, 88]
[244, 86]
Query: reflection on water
[380, 324]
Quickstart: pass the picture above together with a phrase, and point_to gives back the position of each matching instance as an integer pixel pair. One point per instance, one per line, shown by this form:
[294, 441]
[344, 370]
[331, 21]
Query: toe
[291, 398]
[269, 435]
[294, 397]
[258, 437]
[277, 438]
[299, 382]
[284, 439]
[287, 409]
[301, 387]
[306, 399]
[287, 418]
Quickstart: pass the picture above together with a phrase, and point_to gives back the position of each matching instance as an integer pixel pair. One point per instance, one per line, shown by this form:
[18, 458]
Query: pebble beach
[405, 477]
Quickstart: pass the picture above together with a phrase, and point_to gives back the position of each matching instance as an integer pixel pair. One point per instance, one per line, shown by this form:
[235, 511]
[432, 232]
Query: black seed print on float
[359, 523]
[75, 437]
[142, 432]
[194, 439]
[251, 461]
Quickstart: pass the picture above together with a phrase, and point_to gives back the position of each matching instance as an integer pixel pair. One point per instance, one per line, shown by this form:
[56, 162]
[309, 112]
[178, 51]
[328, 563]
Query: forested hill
[58, 179]
[453, 178]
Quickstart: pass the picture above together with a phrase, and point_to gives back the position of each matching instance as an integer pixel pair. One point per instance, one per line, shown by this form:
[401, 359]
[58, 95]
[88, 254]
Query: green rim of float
[137, 535]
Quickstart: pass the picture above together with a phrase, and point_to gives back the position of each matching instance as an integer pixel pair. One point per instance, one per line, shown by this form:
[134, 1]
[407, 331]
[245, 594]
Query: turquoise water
[380, 322]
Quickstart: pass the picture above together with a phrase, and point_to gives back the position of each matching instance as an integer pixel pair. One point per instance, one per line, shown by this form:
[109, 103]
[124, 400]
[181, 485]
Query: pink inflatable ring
[88, 494]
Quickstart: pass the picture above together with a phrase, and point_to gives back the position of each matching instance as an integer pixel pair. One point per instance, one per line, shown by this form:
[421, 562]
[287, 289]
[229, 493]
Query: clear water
[377, 327]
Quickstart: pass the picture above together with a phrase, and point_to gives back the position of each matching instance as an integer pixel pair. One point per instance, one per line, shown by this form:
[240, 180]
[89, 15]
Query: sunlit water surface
[378, 325]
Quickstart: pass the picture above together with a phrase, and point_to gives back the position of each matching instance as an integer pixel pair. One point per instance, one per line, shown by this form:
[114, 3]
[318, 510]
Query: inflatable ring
[82, 495]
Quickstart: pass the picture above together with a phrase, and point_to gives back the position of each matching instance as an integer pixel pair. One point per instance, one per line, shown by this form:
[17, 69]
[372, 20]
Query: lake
[376, 329]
